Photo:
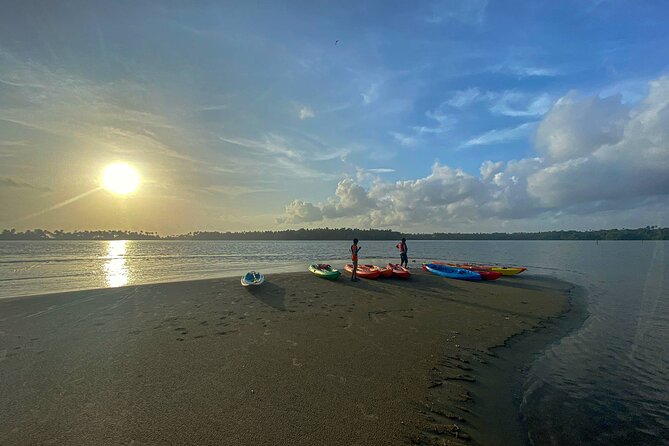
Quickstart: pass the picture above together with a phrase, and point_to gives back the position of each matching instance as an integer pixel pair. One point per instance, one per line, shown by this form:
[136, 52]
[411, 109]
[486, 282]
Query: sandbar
[297, 361]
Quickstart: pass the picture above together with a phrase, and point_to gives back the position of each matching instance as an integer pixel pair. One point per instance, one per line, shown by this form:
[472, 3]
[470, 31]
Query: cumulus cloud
[350, 199]
[301, 212]
[578, 126]
[622, 153]
[594, 155]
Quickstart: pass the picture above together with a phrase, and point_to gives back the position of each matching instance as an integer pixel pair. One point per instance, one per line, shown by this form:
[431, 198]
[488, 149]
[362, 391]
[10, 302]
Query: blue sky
[456, 115]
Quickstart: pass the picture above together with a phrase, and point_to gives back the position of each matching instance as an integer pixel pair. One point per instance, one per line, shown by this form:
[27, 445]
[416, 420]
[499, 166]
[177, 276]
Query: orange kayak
[399, 271]
[385, 271]
[364, 271]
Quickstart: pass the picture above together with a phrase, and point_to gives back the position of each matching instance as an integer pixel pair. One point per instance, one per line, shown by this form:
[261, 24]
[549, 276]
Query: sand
[297, 361]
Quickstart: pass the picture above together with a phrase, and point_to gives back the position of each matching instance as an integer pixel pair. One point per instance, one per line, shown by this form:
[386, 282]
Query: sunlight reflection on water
[116, 270]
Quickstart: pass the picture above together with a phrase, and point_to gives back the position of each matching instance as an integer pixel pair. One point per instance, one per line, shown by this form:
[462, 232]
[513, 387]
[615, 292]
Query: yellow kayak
[507, 270]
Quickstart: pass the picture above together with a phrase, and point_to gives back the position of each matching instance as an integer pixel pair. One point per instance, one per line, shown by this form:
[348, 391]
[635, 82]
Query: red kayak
[364, 271]
[399, 271]
[483, 271]
[385, 271]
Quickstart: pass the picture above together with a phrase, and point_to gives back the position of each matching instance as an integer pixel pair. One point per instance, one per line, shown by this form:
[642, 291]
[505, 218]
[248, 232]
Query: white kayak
[252, 278]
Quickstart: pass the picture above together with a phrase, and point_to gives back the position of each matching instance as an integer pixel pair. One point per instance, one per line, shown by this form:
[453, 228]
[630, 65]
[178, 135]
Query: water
[604, 384]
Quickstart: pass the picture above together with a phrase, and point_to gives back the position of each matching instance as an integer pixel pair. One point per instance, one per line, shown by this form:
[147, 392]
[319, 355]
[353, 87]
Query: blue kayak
[451, 273]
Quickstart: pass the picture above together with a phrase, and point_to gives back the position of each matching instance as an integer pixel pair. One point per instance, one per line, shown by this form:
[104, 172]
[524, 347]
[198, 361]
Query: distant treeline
[647, 233]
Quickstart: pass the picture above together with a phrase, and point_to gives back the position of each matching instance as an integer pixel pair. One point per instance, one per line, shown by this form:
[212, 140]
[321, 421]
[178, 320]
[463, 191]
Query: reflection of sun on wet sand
[299, 360]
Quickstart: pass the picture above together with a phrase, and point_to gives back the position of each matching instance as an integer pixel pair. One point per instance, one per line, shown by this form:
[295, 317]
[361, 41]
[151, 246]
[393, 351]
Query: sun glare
[120, 179]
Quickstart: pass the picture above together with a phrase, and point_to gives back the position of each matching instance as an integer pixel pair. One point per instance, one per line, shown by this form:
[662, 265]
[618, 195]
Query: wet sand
[299, 360]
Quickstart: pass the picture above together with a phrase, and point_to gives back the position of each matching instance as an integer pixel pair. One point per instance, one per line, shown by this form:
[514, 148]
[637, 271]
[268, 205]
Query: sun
[120, 178]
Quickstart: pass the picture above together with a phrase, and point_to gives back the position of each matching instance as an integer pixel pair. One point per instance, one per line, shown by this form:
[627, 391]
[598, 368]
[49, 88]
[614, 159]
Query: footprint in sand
[369, 416]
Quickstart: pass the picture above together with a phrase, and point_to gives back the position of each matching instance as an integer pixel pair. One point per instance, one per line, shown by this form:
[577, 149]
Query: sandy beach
[299, 360]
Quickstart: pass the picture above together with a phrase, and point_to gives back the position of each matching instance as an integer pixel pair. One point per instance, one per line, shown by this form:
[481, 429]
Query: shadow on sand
[269, 294]
[519, 283]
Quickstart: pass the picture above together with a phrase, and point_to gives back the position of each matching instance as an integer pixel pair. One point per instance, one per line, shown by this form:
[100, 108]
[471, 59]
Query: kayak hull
[452, 273]
[399, 271]
[507, 270]
[324, 271]
[503, 270]
[363, 271]
[485, 273]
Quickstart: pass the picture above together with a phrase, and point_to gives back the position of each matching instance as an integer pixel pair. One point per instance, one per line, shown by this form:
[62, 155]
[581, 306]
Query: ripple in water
[607, 384]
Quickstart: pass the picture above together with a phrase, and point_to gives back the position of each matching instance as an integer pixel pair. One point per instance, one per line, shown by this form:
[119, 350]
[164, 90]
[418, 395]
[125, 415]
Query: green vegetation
[647, 233]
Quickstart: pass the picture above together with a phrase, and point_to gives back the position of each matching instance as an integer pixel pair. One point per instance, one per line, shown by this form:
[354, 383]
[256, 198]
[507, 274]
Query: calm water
[605, 384]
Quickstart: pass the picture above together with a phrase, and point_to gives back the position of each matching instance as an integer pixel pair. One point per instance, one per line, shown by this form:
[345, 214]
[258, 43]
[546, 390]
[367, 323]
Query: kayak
[450, 272]
[364, 271]
[503, 270]
[252, 278]
[385, 271]
[399, 271]
[325, 271]
[484, 272]
[507, 270]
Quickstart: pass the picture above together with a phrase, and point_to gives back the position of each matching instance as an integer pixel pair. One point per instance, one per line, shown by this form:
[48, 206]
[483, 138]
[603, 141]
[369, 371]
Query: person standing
[354, 259]
[404, 258]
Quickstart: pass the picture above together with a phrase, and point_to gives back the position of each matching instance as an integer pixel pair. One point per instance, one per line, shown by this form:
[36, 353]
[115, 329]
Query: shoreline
[505, 371]
[360, 362]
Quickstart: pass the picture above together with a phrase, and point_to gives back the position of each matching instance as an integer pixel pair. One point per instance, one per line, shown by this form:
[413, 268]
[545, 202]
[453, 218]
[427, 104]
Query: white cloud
[371, 94]
[404, 140]
[306, 112]
[489, 169]
[601, 159]
[465, 98]
[498, 136]
[379, 170]
[524, 70]
[350, 199]
[578, 126]
[517, 104]
[300, 212]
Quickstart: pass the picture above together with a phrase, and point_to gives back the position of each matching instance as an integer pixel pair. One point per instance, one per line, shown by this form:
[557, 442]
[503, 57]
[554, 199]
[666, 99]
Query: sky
[438, 116]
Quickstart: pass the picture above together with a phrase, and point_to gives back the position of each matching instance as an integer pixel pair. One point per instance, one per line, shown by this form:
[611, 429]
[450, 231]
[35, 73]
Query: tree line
[646, 233]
